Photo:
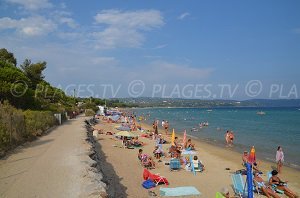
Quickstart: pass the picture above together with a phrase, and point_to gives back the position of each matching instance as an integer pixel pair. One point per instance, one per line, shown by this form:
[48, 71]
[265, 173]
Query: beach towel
[148, 184]
[179, 191]
[185, 152]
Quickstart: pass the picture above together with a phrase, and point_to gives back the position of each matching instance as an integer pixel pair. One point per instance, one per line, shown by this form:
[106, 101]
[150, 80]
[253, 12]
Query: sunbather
[157, 153]
[135, 142]
[150, 162]
[266, 189]
[281, 185]
[189, 146]
[198, 164]
[172, 151]
[140, 154]
[245, 158]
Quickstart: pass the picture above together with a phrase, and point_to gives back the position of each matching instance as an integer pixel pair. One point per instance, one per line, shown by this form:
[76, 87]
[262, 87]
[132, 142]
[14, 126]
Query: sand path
[48, 167]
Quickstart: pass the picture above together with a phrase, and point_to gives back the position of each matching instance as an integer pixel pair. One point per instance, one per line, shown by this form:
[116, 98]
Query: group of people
[174, 152]
[274, 184]
[164, 125]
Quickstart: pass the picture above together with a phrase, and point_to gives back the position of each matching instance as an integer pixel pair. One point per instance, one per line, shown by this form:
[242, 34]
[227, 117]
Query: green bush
[89, 112]
[37, 122]
[18, 126]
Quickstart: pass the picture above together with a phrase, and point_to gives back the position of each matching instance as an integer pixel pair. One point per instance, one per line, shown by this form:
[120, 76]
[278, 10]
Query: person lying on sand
[281, 185]
[135, 142]
[266, 189]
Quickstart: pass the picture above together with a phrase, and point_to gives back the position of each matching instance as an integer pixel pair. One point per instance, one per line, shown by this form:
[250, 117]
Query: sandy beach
[123, 171]
[58, 165]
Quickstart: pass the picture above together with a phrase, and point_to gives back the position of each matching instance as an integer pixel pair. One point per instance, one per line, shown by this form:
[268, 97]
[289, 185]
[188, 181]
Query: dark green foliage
[7, 57]
[34, 71]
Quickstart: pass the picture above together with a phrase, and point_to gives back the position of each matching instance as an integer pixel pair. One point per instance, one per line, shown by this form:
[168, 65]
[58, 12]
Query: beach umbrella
[173, 138]
[126, 134]
[249, 180]
[184, 137]
[252, 157]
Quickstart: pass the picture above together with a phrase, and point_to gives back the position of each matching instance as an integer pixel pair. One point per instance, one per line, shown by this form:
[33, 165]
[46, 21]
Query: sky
[210, 49]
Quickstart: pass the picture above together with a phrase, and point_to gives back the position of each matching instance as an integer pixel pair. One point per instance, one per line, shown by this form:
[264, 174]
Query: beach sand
[123, 171]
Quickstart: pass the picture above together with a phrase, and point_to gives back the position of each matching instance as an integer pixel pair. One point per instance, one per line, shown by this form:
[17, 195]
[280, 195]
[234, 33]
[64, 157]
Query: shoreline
[218, 145]
[220, 165]
[228, 153]
[235, 149]
[264, 155]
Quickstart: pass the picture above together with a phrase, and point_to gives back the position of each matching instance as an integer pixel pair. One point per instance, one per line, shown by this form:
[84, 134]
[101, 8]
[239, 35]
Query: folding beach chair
[157, 179]
[239, 185]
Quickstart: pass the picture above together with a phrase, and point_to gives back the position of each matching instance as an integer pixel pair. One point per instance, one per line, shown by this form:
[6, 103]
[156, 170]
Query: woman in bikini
[281, 185]
[266, 189]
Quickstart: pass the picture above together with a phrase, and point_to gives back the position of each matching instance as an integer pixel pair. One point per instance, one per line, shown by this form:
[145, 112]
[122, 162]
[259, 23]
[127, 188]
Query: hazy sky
[191, 49]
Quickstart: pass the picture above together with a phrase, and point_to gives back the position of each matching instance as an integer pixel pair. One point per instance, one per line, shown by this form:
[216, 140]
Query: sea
[277, 127]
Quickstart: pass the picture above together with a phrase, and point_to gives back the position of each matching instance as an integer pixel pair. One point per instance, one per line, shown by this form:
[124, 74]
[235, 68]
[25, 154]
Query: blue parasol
[249, 180]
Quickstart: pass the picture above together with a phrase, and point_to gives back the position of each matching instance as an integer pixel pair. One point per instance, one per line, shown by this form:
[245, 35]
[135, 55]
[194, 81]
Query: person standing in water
[227, 137]
[279, 158]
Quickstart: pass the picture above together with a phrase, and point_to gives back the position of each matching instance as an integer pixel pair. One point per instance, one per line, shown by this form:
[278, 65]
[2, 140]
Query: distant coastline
[148, 102]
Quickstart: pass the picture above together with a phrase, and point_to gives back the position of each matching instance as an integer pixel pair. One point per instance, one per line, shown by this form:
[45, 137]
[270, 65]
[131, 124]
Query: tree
[34, 71]
[7, 56]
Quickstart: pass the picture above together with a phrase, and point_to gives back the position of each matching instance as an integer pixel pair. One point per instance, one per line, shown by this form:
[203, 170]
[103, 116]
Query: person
[189, 146]
[255, 168]
[245, 158]
[279, 158]
[231, 138]
[166, 126]
[140, 154]
[157, 153]
[266, 189]
[227, 137]
[135, 142]
[155, 126]
[150, 162]
[281, 185]
[172, 151]
[198, 164]
[163, 123]
[176, 142]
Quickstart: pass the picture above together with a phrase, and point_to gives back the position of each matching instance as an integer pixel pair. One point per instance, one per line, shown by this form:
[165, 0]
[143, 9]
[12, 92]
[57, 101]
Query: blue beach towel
[186, 152]
[179, 191]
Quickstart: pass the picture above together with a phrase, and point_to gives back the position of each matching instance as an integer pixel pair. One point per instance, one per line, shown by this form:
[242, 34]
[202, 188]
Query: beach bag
[148, 184]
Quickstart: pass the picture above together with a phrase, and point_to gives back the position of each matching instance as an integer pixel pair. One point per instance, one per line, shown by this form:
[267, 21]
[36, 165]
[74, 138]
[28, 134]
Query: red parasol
[252, 157]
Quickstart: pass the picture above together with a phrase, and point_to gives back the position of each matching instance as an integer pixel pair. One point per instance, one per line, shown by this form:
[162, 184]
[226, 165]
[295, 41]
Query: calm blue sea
[279, 126]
